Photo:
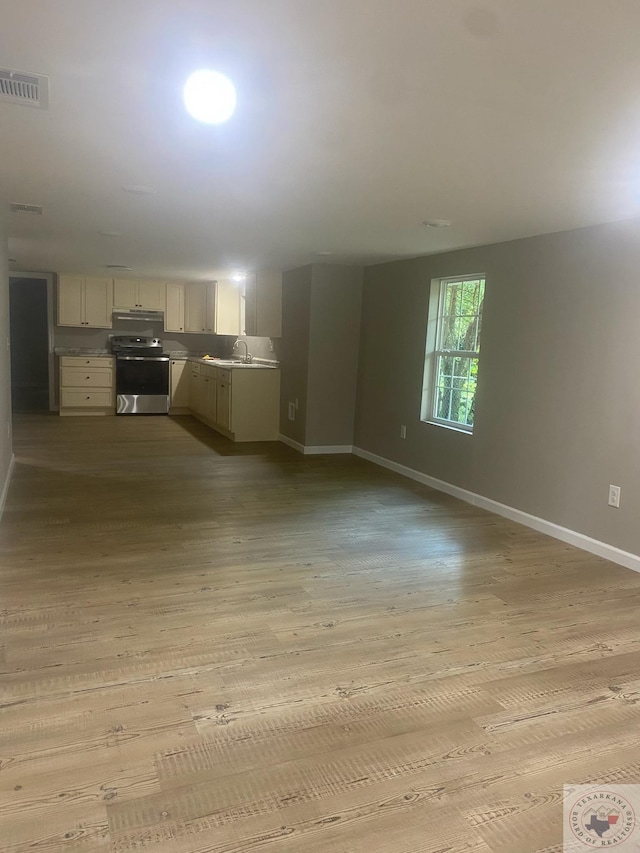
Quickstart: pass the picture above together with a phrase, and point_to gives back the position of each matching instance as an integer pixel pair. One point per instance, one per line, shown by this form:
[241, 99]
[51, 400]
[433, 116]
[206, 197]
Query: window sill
[449, 427]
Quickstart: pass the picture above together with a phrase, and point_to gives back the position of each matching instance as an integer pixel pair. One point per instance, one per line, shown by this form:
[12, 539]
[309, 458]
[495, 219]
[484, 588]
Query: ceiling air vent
[30, 90]
[27, 208]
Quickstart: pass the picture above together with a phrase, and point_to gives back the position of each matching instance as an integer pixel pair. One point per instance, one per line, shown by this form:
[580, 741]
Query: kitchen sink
[221, 362]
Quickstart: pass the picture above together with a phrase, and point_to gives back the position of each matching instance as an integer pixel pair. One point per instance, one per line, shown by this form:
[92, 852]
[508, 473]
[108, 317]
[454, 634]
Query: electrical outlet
[614, 496]
[403, 431]
[292, 411]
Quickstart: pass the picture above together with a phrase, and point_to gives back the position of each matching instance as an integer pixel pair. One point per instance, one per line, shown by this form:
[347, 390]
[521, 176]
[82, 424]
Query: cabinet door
[98, 302]
[227, 308]
[223, 399]
[195, 307]
[180, 376]
[211, 307]
[174, 312]
[125, 293]
[70, 299]
[209, 403]
[151, 295]
[195, 392]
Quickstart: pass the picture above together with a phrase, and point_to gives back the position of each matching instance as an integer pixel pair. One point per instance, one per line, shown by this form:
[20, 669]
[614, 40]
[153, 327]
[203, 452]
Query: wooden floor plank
[218, 648]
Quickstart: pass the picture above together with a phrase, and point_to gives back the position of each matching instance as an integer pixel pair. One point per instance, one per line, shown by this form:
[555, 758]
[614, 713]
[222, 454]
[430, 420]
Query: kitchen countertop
[232, 365]
[227, 364]
[80, 351]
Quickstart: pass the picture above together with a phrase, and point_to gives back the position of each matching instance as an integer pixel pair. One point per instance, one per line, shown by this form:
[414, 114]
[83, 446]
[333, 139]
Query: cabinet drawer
[224, 375]
[78, 398]
[78, 377]
[89, 361]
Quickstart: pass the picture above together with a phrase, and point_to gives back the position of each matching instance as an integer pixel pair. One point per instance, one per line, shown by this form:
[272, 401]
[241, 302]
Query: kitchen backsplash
[216, 345]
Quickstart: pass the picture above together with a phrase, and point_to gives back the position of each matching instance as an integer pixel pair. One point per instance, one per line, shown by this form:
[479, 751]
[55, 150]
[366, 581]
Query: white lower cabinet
[196, 384]
[223, 399]
[180, 376]
[242, 403]
[87, 385]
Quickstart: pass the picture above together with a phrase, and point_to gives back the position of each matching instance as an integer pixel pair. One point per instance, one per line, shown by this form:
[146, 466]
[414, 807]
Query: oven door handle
[142, 358]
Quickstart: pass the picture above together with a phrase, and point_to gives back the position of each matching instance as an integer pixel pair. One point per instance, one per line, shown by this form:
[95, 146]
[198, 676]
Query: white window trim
[432, 353]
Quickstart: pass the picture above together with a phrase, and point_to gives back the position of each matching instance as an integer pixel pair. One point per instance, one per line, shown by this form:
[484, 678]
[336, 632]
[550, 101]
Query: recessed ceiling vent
[27, 208]
[19, 87]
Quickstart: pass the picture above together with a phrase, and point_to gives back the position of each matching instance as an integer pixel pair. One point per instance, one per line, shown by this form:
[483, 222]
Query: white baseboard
[295, 444]
[7, 483]
[571, 537]
[311, 450]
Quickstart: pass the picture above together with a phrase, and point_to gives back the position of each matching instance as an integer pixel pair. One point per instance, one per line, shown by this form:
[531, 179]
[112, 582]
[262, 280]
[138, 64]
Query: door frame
[48, 278]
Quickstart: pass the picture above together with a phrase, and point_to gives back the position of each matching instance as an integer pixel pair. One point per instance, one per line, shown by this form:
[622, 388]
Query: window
[453, 351]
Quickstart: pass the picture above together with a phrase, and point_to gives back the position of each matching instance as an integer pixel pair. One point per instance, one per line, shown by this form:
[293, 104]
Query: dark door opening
[29, 328]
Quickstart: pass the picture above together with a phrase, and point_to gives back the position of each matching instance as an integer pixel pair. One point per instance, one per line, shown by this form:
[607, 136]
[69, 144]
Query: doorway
[30, 331]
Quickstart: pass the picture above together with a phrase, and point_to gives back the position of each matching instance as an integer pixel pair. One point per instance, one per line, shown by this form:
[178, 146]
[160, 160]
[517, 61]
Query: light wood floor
[211, 648]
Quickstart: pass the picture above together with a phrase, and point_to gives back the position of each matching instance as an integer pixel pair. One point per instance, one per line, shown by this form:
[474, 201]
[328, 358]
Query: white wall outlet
[403, 431]
[292, 411]
[614, 496]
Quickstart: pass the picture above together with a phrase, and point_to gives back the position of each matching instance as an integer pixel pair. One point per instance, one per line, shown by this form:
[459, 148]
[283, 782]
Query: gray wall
[558, 403]
[294, 350]
[5, 362]
[334, 343]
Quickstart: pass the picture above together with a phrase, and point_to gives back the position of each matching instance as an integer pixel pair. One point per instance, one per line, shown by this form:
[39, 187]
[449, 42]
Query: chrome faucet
[247, 356]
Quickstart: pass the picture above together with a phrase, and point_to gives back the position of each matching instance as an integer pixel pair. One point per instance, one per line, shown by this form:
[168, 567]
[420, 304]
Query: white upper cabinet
[131, 293]
[125, 293]
[71, 300]
[227, 312]
[199, 305]
[263, 304]
[174, 313]
[85, 301]
[151, 295]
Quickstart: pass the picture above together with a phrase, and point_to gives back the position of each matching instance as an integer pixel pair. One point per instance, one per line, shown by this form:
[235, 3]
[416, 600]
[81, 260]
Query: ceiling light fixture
[209, 97]
[325, 252]
[117, 267]
[437, 223]
[110, 233]
[238, 277]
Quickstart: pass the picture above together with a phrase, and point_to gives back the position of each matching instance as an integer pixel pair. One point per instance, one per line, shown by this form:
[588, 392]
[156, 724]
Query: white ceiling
[356, 120]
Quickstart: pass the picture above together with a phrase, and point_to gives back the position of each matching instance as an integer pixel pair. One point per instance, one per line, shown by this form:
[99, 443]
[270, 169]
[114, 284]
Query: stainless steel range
[142, 375]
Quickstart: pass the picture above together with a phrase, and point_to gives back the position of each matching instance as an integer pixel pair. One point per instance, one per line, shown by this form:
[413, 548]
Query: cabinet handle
[88, 377]
[87, 398]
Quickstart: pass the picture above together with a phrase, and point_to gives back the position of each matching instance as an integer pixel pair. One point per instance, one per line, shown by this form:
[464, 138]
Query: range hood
[140, 314]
